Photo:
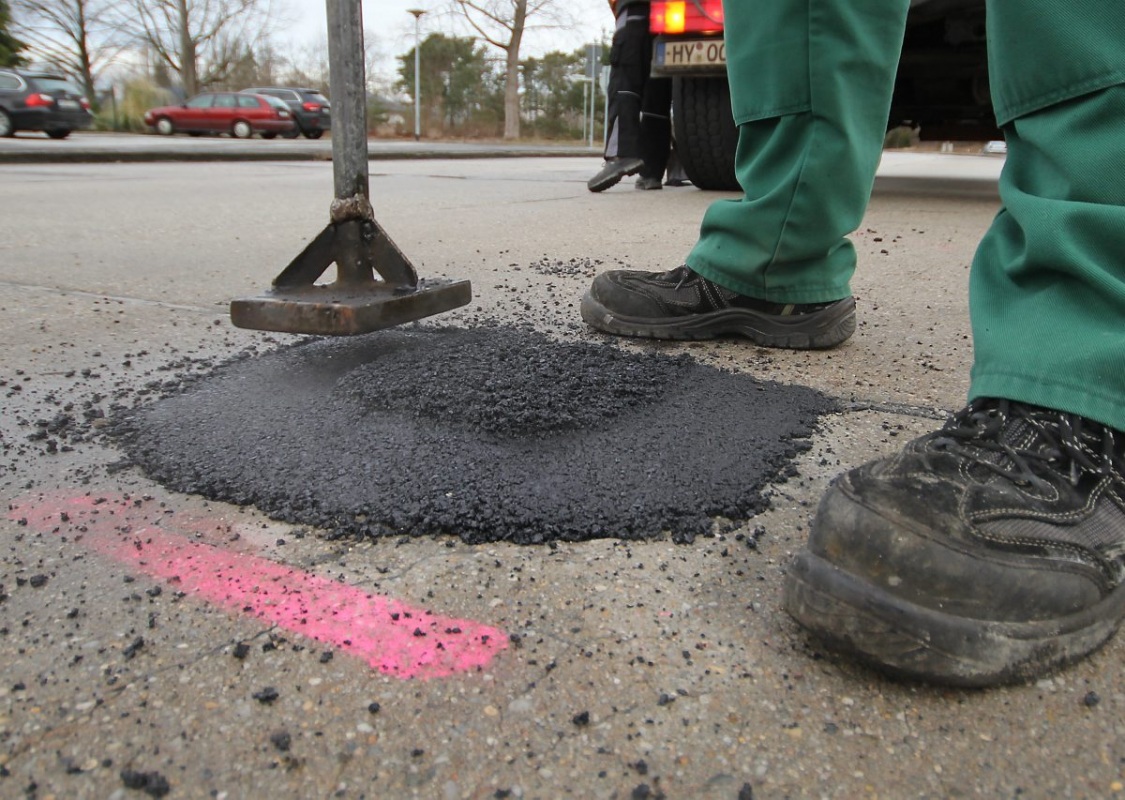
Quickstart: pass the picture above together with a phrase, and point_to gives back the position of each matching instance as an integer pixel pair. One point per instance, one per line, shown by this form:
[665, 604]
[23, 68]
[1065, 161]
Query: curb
[39, 154]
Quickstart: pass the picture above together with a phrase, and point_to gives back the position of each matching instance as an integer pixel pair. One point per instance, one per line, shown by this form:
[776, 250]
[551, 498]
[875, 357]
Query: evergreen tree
[10, 46]
[554, 102]
[460, 90]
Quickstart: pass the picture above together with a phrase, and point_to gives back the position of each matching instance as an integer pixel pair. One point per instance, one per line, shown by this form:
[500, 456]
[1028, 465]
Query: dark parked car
[311, 109]
[41, 101]
[237, 113]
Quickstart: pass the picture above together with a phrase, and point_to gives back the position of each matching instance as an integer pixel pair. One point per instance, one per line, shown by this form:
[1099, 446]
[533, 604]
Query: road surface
[153, 640]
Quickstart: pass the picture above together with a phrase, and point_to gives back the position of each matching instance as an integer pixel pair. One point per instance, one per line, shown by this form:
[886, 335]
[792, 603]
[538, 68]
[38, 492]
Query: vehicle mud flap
[357, 302]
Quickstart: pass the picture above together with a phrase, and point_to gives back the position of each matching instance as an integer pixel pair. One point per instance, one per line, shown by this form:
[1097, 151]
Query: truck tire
[706, 136]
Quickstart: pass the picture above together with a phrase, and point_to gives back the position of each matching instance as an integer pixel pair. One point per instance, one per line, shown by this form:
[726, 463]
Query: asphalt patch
[489, 434]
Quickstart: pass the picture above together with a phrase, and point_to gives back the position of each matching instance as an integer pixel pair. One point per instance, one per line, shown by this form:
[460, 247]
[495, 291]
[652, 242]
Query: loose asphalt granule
[488, 434]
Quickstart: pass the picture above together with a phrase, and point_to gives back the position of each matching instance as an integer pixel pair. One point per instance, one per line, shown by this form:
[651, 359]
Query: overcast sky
[394, 27]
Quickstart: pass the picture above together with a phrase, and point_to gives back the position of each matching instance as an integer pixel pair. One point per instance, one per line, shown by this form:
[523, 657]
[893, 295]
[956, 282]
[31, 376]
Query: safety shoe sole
[611, 175]
[816, 330]
[903, 639]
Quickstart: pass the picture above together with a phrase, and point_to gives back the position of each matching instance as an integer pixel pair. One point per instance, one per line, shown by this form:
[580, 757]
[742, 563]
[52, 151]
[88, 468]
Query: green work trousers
[811, 83]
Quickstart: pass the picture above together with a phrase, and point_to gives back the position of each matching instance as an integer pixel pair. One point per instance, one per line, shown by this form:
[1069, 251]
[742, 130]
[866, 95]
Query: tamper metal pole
[349, 99]
[358, 301]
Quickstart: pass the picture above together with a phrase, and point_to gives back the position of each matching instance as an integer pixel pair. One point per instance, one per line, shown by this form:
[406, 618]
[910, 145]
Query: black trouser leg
[629, 66]
[656, 126]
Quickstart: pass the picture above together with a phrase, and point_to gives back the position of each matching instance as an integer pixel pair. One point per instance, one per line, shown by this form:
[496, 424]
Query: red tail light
[686, 16]
[311, 107]
[39, 100]
[84, 103]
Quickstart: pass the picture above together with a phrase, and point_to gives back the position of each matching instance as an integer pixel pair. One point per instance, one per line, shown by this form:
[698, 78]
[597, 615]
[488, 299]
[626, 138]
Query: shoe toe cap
[908, 536]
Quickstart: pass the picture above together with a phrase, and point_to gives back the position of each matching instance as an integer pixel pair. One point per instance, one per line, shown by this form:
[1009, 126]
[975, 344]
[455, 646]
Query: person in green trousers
[992, 550]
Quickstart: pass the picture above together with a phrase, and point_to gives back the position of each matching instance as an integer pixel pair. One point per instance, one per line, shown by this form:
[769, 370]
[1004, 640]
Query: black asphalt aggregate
[492, 433]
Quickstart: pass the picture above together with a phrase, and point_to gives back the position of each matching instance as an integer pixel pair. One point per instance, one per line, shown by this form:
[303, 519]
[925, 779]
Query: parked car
[310, 109]
[237, 113]
[282, 110]
[41, 101]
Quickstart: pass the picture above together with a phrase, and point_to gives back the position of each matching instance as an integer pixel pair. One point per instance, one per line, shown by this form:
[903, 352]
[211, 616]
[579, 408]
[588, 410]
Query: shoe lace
[1022, 442]
[679, 275]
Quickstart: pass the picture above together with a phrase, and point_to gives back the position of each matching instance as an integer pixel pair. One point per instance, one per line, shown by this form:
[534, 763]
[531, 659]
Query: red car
[239, 114]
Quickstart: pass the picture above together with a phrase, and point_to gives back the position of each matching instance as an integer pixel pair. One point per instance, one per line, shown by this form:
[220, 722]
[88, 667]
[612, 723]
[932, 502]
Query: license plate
[692, 53]
[64, 103]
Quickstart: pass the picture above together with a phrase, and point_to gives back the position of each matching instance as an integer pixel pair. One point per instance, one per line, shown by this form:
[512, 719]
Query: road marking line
[396, 639]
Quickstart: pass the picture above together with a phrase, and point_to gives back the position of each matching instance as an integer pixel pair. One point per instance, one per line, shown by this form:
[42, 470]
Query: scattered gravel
[151, 783]
[266, 695]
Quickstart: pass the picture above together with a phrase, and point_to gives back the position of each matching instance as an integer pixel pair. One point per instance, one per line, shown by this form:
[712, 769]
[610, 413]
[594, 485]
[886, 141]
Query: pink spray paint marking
[394, 638]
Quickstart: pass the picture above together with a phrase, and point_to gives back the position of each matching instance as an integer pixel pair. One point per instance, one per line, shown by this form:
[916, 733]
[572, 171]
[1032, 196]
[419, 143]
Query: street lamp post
[417, 12]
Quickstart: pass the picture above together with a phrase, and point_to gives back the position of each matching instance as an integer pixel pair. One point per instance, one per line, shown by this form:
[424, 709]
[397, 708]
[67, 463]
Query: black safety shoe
[646, 184]
[681, 304]
[989, 552]
[612, 171]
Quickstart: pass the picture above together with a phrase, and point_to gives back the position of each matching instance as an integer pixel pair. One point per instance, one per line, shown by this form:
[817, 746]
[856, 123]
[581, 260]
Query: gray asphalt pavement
[155, 643]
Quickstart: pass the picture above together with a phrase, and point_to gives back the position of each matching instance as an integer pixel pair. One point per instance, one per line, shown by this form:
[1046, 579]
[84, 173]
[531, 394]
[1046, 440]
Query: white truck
[941, 87]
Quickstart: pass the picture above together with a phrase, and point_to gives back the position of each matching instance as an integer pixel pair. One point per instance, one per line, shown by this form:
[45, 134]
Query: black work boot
[612, 171]
[681, 304]
[989, 552]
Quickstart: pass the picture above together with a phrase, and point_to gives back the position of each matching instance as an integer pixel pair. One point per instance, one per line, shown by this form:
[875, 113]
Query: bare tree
[202, 40]
[305, 64]
[503, 23]
[373, 51]
[79, 37]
